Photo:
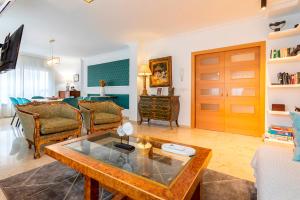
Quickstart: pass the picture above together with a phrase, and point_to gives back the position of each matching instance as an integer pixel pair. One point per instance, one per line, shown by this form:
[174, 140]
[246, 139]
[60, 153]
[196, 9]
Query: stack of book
[280, 133]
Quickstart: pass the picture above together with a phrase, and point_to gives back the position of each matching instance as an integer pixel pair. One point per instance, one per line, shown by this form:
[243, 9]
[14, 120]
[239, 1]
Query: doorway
[228, 89]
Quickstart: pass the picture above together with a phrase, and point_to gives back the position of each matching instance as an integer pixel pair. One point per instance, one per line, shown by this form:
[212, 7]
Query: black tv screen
[10, 50]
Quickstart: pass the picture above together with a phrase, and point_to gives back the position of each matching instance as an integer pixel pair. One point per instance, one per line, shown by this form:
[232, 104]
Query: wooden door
[227, 91]
[242, 83]
[210, 104]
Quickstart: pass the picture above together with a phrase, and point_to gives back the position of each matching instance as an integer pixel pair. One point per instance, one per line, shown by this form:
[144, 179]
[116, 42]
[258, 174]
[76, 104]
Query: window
[31, 78]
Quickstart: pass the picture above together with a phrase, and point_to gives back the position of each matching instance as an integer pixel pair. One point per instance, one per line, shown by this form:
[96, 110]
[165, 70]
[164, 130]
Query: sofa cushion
[106, 118]
[57, 124]
[277, 175]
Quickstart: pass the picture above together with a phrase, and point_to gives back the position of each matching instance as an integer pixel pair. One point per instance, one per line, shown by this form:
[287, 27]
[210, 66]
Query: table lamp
[144, 72]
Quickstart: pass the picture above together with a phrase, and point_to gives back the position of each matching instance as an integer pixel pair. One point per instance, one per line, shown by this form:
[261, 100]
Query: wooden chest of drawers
[67, 94]
[159, 108]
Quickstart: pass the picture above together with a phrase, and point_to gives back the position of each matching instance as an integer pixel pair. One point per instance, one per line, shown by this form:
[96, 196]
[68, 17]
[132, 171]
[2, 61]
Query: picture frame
[76, 77]
[161, 69]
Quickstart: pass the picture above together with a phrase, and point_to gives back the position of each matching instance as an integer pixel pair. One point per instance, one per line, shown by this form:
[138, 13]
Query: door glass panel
[242, 74]
[243, 92]
[210, 61]
[210, 107]
[210, 92]
[248, 109]
[215, 76]
[243, 57]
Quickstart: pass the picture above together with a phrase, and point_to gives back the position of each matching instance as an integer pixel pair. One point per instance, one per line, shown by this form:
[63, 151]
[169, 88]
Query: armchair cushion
[106, 118]
[57, 124]
[99, 116]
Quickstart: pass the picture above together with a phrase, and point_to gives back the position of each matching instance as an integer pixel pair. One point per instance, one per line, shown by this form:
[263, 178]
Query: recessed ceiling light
[89, 1]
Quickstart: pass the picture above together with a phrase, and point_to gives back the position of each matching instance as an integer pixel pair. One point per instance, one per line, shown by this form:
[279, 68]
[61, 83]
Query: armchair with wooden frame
[45, 122]
[100, 116]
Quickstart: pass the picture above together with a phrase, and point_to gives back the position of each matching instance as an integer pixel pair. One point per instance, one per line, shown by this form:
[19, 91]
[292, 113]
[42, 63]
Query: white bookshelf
[285, 86]
[271, 140]
[285, 33]
[285, 60]
[281, 113]
[280, 93]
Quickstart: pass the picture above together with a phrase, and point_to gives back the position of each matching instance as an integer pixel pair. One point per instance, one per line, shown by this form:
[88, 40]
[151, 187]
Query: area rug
[219, 186]
[58, 182]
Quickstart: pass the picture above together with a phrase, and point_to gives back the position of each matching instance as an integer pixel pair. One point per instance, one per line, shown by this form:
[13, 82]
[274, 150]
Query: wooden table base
[91, 189]
[196, 195]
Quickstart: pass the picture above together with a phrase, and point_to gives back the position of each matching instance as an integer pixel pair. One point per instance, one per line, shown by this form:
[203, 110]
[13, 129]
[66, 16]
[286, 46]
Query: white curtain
[32, 77]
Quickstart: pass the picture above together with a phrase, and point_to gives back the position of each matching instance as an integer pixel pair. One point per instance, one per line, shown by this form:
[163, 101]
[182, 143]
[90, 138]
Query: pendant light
[52, 60]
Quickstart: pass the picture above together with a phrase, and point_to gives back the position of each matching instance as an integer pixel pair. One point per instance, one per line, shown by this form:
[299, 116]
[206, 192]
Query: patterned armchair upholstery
[44, 122]
[100, 116]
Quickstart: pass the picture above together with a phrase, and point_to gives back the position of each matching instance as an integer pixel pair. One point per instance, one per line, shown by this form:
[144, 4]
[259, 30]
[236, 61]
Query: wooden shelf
[278, 141]
[283, 113]
[285, 86]
[285, 33]
[285, 60]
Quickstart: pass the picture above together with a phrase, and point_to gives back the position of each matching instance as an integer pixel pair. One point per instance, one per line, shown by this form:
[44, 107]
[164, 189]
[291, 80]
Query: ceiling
[82, 29]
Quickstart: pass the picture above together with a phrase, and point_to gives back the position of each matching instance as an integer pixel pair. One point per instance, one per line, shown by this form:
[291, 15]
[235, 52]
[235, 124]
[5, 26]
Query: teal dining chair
[20, 101]
[37, 97]
[25, 101]
[72, 101]
[14, 101]
[87, 98]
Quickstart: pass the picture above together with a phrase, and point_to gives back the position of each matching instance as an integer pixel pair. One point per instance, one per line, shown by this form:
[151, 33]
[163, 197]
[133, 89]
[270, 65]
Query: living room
[207, 93]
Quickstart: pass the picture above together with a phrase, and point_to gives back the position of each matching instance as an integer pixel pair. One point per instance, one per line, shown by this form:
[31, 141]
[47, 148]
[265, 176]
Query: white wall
[181, 46]
[64, 72]
[128, 53]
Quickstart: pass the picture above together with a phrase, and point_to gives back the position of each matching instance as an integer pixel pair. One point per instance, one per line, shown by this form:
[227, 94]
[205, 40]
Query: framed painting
[161, 69]
[76, 77]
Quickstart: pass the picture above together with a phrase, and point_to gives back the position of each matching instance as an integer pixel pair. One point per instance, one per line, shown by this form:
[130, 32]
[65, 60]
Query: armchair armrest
[85, 109]
[30, 123]
[88, 116]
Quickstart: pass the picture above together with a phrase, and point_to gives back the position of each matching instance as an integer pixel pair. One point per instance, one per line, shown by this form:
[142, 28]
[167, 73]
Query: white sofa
[277, 175]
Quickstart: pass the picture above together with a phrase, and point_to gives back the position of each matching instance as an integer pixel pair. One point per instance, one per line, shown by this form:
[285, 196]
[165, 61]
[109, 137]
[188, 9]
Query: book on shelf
[283, 133]
[280, 138]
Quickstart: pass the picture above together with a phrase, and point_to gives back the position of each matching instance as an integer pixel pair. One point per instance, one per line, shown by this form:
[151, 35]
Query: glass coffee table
[148, 172]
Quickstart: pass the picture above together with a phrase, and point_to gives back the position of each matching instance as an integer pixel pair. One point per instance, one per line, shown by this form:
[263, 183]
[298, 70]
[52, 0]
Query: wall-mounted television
[10, 50]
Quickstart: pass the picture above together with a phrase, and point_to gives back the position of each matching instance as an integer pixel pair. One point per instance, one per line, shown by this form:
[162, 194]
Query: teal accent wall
[114, 73]
[122, 99]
